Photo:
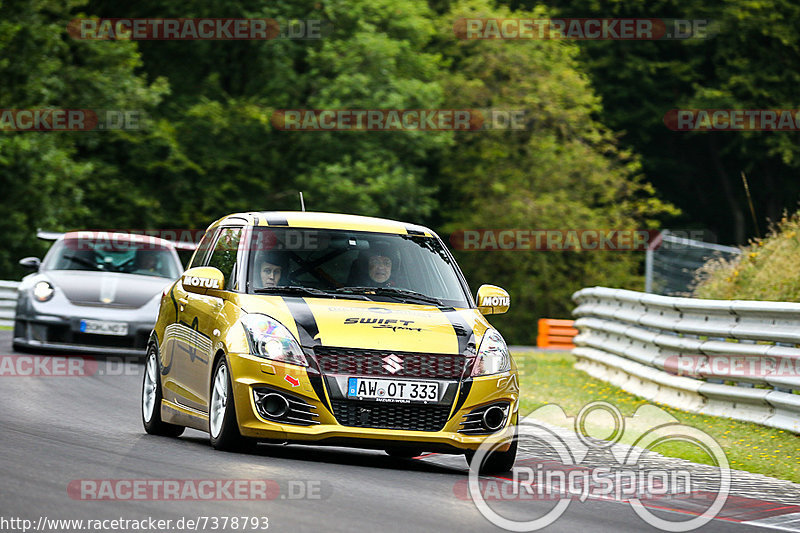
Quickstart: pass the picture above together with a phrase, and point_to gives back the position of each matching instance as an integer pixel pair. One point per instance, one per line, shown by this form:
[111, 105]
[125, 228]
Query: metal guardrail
[8, 302]
[733, 358]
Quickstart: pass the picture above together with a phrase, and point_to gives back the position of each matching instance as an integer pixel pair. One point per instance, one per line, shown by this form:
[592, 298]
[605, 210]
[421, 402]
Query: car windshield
[106, 256]
[361, 265]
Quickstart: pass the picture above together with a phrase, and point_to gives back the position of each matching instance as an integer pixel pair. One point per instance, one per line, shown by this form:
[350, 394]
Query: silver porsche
[94, 292]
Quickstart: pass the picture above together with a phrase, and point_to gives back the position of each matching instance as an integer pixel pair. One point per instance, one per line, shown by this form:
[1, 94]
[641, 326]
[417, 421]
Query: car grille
[362, 362]
[404, 416]
[64, 335]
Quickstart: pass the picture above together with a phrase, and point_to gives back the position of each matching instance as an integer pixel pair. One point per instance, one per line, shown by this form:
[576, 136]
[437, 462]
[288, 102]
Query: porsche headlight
[43, 291]
[270, 339]
[493, 356]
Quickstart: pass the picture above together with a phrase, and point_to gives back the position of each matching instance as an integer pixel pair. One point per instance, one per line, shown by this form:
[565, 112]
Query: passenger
[380, 262]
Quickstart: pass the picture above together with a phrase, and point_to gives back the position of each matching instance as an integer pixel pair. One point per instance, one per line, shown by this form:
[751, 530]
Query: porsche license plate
[392, 389]
[104, 327]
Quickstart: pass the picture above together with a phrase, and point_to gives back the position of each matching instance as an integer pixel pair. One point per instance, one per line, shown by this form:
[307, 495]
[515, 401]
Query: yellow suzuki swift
[321, 328]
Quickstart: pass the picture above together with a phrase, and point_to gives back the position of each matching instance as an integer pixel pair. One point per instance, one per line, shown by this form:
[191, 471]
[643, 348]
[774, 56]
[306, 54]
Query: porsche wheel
[151, 399]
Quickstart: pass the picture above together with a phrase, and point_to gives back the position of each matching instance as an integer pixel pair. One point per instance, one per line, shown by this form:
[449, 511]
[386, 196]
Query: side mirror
[202, 280]
[492, 300]
[31, 263]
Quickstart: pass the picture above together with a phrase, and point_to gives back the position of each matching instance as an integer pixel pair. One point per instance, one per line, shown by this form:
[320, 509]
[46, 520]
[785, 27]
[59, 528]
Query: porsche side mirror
[31, 263]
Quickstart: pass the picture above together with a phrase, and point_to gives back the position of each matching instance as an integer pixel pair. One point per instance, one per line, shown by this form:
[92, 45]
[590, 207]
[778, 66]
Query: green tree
[563, 171]
[60, 179]
[749, 61]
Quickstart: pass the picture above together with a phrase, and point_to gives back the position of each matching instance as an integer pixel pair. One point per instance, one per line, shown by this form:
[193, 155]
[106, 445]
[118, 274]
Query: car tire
[222, 425]
[151, 399]
[403, 453]
[497, 462]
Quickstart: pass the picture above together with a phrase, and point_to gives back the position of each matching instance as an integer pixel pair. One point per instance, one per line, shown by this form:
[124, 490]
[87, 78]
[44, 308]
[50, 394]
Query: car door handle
[184, 301]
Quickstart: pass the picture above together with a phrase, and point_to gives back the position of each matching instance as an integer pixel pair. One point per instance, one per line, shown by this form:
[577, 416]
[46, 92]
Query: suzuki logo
[392, 364]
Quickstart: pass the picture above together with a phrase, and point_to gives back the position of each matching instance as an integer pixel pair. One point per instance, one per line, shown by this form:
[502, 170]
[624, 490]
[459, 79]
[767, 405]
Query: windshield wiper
[297, 289]
[404, 295]
[289, 289]
[84, 262]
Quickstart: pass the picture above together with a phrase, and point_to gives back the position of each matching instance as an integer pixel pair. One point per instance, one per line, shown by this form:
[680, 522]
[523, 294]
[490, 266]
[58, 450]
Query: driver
[146, 263]
[271, 268]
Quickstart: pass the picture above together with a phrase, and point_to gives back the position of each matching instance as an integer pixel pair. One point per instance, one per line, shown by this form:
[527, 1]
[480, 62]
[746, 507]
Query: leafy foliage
[767, 269]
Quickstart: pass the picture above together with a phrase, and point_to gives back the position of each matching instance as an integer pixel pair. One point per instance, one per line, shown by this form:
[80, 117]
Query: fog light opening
[494, 418]
[275, 405]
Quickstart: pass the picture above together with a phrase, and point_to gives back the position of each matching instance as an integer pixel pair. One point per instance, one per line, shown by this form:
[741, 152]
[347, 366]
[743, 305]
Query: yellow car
[331, 329]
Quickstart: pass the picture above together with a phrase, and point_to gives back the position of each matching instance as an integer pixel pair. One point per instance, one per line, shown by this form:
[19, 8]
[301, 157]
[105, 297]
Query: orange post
[556, 333]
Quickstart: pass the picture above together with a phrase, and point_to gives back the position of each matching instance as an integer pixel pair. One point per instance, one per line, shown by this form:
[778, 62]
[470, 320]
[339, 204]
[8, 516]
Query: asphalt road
[56, 431]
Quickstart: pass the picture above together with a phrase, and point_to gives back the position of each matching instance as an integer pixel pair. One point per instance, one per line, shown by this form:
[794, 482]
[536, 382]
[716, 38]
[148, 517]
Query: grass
[550, 378]
[6, 327]
[767, 269]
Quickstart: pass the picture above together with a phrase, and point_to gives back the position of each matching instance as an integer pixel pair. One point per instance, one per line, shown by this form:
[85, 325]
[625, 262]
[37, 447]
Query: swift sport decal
[383, 323]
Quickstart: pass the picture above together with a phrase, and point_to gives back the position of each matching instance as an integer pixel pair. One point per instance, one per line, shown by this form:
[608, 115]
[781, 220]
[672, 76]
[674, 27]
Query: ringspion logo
[566, 472]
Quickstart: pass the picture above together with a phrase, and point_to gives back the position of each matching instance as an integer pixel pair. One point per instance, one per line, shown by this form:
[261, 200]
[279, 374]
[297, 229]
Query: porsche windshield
[375, 266]
[108, 256]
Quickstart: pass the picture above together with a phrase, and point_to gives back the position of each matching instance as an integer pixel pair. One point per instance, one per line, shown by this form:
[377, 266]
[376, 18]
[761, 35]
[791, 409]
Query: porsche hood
[107, 288]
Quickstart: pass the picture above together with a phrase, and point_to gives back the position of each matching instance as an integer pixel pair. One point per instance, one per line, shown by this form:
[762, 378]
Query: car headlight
[493, 356]
[270, 339]
[43, 291]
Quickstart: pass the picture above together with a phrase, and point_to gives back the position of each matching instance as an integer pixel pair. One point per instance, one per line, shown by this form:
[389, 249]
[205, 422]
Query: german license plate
[392, 389]
[104, 327]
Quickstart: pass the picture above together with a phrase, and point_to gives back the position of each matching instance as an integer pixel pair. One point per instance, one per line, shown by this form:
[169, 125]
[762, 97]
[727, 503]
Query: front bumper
[62, 333]
[249, 372]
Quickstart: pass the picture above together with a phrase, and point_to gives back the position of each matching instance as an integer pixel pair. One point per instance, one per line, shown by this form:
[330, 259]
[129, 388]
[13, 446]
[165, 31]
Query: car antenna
[302, 203]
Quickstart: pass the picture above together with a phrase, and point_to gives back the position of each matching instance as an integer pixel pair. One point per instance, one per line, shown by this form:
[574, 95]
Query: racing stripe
[308, 330]
[307, 326]
[466, 385]
[463, 331]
